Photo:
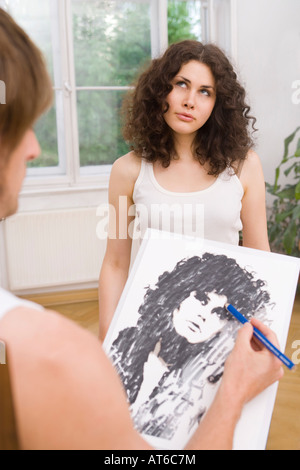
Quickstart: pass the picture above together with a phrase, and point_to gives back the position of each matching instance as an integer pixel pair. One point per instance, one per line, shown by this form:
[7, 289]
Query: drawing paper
[171, 334]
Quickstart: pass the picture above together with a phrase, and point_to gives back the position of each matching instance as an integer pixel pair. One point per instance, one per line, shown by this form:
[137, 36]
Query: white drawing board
[171, 335]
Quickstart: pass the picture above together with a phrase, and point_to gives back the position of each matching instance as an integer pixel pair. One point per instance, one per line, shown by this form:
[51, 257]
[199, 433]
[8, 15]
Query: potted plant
[284, 219]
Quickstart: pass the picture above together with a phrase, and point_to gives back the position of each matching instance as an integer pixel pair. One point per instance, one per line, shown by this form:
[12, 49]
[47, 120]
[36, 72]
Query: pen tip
[226, 305]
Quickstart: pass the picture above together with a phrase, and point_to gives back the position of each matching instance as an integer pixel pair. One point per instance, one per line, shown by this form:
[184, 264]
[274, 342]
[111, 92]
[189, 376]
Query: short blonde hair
[28, 87]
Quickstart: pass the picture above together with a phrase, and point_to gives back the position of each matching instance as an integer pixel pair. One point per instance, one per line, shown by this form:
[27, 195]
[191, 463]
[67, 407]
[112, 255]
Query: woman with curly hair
[188, 126]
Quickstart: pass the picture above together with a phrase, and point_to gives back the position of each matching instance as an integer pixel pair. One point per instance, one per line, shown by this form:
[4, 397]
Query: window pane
[184, 20]
[112, 40]
[46, 132]
[34, 16]
[100, 137]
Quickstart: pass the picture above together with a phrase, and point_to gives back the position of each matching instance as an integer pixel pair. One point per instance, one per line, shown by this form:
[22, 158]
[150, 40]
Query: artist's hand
[251, 368]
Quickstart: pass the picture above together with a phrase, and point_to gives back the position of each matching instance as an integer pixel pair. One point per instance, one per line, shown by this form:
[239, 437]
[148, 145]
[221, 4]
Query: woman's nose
[189, 102]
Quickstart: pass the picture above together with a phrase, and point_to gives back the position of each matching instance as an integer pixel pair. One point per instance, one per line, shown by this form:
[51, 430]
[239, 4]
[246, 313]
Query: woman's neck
[183, 147]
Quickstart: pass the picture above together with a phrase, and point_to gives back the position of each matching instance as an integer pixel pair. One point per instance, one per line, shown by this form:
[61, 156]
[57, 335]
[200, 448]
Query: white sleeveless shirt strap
[140, 178]
[9, 302]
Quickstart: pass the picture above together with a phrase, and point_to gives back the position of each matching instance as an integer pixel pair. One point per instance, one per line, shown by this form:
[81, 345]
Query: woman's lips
[195, 327]
[185, 117]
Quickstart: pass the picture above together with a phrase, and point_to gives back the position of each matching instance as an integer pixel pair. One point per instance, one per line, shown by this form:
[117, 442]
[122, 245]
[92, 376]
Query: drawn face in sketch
[184, 314]
[197, 321]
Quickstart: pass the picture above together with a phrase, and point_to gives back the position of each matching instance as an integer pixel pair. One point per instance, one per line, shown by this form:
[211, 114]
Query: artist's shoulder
[54, 365]
[128, 166]
[30, 331]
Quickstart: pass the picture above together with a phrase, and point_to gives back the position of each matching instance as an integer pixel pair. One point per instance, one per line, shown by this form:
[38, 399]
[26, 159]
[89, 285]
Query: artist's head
[223, 135]
[28, 93]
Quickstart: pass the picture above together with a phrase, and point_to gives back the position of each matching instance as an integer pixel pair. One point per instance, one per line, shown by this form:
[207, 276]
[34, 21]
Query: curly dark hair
[225, 138]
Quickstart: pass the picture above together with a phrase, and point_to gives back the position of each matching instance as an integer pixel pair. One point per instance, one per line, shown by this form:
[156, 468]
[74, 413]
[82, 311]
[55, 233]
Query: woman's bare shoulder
[252, 170]
[124, 174]
[128, 166]
[252, 164]
[252, 159]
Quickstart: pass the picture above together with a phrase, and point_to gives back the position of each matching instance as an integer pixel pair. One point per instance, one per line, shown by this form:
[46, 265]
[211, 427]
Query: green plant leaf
[297, 153]
[287, 142]
[272, 189]
[289, 238]
[288, 192]
[274, 231]
[284, 218]
[293, 167]
[296, 213]
[297, 192]
[283, 215]
[277, 174]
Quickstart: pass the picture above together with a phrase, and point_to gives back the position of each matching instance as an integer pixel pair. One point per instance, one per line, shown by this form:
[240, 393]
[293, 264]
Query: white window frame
[68, 175]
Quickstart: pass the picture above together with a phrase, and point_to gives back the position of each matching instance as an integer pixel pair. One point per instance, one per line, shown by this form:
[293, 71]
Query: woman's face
[195, 321]
[192, 98]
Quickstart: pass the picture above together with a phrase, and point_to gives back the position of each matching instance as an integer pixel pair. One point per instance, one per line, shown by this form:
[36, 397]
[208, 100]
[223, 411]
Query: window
[187, 19]
[111, 41]
[94, 50]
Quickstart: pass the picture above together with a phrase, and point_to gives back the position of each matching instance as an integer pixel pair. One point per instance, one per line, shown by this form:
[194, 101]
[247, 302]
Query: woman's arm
[116, 263]
[253, 215]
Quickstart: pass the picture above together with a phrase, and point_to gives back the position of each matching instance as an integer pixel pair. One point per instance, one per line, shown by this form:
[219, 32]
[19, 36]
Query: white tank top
[8, 302]
[213, 213]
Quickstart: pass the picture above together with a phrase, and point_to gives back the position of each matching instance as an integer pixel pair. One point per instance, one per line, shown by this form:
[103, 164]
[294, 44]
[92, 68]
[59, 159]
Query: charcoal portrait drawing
[172, 360]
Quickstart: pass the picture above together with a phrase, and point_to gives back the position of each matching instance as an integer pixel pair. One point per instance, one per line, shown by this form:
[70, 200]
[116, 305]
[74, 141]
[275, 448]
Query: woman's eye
[205, 92]
[181, 84]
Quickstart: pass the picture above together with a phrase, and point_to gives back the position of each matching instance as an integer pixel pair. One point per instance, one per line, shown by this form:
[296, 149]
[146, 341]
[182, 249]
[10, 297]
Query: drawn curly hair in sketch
[202, 275]
[223, 140]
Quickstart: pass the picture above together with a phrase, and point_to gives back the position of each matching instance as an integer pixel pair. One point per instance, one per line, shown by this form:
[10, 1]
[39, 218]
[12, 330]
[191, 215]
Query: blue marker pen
[286, 361]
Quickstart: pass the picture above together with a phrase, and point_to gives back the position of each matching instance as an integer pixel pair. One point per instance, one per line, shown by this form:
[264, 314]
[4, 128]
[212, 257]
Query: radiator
[56, 248]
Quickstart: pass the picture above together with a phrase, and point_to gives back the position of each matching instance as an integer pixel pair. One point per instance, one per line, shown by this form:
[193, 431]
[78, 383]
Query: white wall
[268, 59]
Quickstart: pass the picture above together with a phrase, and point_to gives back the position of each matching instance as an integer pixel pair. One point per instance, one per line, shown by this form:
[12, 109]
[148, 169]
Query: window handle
[68, 87]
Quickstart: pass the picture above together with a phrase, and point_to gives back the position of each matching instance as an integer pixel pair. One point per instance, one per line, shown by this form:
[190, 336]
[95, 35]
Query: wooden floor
[285, 426]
